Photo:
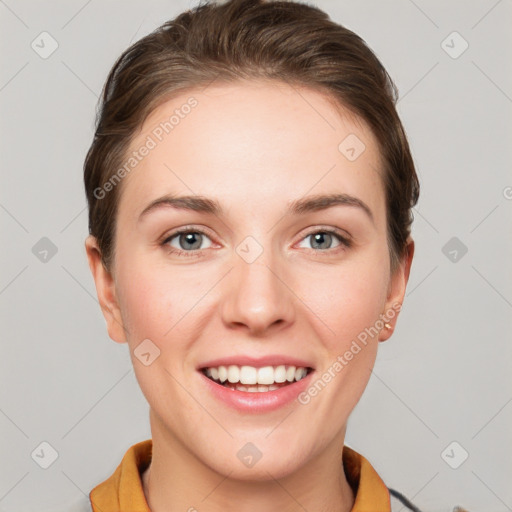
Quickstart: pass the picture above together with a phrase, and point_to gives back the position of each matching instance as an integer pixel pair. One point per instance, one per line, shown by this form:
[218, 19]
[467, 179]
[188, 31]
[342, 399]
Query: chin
[264, 470]
[258, 460]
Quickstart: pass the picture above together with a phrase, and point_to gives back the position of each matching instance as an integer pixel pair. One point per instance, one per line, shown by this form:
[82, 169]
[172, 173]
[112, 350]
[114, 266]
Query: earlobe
[396, 293]
[106, 291]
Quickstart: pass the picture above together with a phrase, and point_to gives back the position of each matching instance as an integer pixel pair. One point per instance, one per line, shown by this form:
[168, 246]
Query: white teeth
[290, 374]
[223, 374]
[233, 374]
[266, 375]
[251, 379]
[300, 373]
[280, 374]
[248, 375]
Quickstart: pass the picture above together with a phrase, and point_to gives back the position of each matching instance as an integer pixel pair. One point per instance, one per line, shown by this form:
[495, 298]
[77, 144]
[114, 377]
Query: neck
[177, 480]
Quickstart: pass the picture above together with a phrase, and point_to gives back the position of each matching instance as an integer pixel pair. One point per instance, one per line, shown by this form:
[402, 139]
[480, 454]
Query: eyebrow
[301, 206]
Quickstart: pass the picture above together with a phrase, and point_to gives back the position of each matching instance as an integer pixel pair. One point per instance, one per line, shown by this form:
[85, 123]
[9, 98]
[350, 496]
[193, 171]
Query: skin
[254, 146]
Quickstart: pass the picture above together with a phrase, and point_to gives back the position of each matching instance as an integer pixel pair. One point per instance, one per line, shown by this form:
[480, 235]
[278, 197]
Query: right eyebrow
[193, 203]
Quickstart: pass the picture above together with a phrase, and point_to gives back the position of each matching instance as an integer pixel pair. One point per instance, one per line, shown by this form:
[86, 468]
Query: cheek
[155, 305]
[347, 301]
[153, 301]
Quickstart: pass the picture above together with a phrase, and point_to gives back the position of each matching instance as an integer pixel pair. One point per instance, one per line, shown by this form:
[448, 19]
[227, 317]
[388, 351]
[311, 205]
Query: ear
[106, 291]
[396, 291]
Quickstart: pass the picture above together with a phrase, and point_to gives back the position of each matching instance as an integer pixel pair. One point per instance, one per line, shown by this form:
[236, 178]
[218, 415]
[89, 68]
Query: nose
[257, 297]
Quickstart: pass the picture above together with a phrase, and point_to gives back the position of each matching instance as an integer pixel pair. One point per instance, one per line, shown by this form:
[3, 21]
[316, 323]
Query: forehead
[250, 143]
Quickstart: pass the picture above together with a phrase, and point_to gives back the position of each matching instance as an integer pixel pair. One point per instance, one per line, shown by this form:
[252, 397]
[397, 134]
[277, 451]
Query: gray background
[445, 374]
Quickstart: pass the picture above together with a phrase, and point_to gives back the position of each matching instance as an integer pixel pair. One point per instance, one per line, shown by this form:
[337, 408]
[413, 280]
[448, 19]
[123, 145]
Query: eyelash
[345, 242]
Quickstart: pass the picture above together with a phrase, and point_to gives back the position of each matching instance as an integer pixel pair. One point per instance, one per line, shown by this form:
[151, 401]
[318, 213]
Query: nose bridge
[257, 296]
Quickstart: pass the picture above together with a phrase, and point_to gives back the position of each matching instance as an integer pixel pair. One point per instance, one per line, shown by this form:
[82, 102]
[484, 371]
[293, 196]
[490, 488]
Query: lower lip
[257, 402]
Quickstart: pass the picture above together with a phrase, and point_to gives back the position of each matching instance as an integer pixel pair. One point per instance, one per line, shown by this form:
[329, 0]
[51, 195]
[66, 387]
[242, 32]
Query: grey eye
[190, 240]
[322, 240]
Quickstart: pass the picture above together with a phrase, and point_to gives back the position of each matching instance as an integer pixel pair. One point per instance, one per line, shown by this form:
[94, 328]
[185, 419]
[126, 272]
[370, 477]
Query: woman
[250, 188]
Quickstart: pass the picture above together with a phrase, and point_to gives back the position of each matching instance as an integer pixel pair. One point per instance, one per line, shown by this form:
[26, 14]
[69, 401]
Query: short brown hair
[248, 39]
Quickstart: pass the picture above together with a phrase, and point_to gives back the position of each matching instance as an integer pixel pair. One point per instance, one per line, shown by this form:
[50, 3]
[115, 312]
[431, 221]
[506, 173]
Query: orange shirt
[122, 491]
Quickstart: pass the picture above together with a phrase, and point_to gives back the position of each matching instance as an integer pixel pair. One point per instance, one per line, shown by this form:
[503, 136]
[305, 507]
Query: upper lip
[258, 362]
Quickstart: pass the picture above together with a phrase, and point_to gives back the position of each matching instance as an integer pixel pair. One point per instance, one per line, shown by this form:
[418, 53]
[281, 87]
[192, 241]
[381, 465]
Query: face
[270, 278]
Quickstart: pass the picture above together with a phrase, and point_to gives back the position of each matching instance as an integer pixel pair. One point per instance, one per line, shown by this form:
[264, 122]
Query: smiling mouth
[256, 380]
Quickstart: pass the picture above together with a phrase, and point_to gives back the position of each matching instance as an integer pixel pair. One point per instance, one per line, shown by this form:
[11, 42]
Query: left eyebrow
[298, 207]
[322, 202]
